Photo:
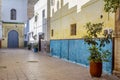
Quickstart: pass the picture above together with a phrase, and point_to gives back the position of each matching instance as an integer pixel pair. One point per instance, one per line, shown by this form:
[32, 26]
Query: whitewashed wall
[19, 5]
[38, 26]
[31, 29]
[71, 4]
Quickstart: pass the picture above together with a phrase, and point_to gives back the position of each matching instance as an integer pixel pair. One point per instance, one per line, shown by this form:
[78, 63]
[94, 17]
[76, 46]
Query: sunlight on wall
[79, 3]
[65, 16]
[71, 3]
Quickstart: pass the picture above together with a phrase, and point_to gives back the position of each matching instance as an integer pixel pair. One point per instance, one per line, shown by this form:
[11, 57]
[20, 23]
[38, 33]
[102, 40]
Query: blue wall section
[108, 65]
[82, 52]
[64, 49]
[72, 50]
[55, 48]
[77, 51]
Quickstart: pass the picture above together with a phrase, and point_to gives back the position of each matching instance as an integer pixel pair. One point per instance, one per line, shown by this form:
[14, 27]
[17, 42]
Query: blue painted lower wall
[77, 51]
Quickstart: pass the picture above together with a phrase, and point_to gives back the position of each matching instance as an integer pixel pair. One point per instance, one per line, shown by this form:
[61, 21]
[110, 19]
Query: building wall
[65, 16]
[117, 42]
[19, 5]
[7, 27]
[41, 22]
[30, 8]
[0, 8]
[117, 55]
[40, 26]
[72, 47]
[0, 22]
[7, 24]
[48, 19]
[0, 33]
[31, 29]
[30, 14]
[26, 30]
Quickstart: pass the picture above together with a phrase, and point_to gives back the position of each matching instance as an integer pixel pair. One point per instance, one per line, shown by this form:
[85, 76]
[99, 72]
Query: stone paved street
[21, 64]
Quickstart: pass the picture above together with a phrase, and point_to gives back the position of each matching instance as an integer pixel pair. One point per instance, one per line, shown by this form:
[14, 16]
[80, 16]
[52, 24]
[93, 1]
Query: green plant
[29, 46]
[35, 45]
[96, 44]
[111, 5]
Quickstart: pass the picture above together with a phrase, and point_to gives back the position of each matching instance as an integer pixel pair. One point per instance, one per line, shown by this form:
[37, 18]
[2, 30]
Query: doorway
[13, 39]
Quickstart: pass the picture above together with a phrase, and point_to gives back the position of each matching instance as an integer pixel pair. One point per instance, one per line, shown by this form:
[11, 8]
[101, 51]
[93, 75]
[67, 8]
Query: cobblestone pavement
[21, 64]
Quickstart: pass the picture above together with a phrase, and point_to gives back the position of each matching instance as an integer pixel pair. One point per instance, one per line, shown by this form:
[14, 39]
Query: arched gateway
[13, 39]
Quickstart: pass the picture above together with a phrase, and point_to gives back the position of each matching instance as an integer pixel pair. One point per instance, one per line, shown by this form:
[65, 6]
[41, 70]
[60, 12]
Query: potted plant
[35, 46]
[29, 46]
[96, 44]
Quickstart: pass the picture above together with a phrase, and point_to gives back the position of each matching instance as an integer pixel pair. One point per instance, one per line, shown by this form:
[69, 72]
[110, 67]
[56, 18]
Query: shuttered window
[73, 29]
[52, 32]
[13, 14]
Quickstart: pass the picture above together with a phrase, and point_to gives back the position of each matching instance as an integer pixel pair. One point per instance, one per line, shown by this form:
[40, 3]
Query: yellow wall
[7, 27]
[90, 12]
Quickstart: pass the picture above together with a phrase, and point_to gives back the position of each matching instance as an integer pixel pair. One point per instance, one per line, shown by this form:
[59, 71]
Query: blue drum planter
[35, 47]
[35, 50]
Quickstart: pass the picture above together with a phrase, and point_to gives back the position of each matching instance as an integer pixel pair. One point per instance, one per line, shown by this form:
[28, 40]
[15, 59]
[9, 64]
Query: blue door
[13, 39]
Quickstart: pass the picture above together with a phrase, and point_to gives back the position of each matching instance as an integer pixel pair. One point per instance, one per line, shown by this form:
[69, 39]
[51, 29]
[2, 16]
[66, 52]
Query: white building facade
[13, 17]
[38, 25]
[21, 10]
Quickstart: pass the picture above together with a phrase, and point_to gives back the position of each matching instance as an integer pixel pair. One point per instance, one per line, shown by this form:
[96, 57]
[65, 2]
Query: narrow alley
[21, 64]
